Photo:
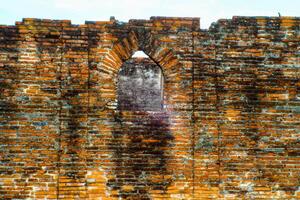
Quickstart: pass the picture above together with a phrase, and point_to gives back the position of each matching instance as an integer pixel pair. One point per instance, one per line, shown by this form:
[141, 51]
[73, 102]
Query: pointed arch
[124, 49]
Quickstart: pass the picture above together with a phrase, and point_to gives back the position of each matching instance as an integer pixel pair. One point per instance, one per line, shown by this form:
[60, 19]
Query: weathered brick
[228, 126]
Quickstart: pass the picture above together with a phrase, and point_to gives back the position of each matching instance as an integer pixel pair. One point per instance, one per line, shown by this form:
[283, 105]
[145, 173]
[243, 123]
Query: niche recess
[140, 84]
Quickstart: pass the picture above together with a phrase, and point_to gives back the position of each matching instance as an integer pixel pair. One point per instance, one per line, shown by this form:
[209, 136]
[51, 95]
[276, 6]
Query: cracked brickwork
[228, 127]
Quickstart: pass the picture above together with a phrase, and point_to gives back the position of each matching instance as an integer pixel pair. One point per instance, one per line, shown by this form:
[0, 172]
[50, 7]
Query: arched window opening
[140, 84]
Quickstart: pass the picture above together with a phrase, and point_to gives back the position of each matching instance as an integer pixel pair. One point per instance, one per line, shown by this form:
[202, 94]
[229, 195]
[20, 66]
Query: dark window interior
[140, 85]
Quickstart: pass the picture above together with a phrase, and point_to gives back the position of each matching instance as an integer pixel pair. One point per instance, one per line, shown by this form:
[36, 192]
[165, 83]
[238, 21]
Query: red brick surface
[229, 128]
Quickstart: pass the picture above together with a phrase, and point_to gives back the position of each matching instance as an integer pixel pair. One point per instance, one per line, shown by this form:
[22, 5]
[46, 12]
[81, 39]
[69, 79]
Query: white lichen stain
[247, 186]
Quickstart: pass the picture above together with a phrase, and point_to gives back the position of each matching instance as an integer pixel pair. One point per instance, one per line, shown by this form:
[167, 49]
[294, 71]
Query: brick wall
[229, 127]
